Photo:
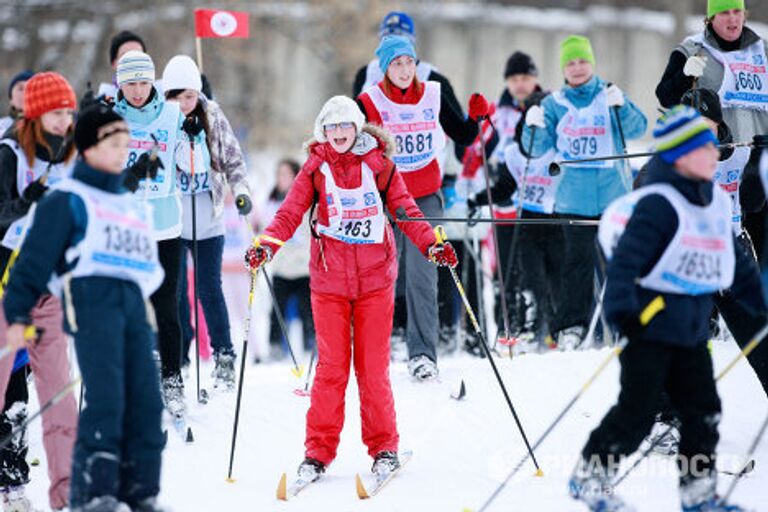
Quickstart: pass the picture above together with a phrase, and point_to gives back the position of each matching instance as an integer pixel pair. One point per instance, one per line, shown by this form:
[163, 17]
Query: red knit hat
[46, 92]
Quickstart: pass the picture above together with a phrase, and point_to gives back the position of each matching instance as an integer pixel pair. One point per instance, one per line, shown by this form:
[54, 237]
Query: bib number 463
[358, 228]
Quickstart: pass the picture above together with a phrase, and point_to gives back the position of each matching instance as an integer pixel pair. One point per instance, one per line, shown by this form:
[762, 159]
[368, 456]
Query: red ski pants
[358, 330]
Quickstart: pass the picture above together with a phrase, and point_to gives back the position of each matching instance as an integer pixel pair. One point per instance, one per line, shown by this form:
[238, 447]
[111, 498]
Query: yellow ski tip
[281, 488]
[361, 492]
[298, 372]
[231, 480]
[467, 510]
[539, 473]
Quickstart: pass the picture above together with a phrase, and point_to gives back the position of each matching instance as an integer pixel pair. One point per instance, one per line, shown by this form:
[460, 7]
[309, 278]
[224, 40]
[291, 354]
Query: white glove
[694, 66]
[535, 117]
[614, 96]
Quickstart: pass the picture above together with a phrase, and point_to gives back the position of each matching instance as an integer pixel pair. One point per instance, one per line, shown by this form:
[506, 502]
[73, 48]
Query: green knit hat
[717, 6]
[576, 47]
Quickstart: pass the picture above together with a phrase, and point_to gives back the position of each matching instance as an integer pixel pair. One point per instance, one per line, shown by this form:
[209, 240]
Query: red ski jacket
[337, 267]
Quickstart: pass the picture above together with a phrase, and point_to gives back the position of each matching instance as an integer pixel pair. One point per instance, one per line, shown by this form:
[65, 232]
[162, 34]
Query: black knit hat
[520, 63]
[90, 121]
[119, 39]
[706, 101]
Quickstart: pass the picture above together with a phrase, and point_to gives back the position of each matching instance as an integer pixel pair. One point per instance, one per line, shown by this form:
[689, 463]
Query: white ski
[380, 481]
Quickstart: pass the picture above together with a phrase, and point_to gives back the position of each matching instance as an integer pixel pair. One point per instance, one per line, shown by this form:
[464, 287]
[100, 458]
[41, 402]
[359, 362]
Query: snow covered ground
[462, 449]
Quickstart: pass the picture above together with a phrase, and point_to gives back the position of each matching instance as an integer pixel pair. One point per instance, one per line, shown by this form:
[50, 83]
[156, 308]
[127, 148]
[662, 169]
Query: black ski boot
[311, 469]
[385, 462]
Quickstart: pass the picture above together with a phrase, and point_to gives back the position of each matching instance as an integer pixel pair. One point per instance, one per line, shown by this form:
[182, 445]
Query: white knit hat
[135, 66]
[181, 72]
[339, 109]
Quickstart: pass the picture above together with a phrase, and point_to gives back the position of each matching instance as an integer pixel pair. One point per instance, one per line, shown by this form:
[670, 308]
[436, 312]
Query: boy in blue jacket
[92, 243]
[671, 239]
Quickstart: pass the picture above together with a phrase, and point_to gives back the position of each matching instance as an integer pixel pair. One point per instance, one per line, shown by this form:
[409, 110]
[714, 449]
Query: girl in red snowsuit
[349, 179]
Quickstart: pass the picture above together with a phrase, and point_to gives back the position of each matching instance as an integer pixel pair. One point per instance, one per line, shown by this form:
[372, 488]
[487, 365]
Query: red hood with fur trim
[337, 267]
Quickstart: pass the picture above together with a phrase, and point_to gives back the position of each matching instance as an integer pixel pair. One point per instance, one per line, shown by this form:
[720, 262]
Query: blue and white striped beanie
[680, 131]
[135, 66]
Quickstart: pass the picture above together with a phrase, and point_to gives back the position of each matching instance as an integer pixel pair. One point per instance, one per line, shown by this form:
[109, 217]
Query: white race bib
[585, 132]
[540, 187]
[728, 177]
[118, 239]
[355, 216]
[699, 260]
[166, 130]
[419, 138]
[745, 78]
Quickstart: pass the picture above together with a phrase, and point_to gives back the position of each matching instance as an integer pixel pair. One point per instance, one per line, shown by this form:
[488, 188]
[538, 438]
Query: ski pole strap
[651, 310]
[269, 239]
[440, 236]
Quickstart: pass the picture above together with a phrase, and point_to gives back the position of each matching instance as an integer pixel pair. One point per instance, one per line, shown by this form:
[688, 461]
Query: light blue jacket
[167, 210]
[586, 191]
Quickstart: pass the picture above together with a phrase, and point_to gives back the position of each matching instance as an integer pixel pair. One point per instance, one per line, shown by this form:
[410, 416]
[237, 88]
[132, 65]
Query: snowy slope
[462, 449]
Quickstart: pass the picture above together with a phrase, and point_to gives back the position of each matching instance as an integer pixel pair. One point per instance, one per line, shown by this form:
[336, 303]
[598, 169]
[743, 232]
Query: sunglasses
[338, 126]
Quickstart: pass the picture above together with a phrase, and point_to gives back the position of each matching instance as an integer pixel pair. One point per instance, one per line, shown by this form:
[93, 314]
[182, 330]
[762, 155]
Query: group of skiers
[100, 205]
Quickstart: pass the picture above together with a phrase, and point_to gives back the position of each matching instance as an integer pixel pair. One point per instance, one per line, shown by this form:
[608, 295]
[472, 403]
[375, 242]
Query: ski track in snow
[462, 450]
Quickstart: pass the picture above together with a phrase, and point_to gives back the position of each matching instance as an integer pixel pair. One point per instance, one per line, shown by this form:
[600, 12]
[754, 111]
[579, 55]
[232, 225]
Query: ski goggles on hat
[338, 126]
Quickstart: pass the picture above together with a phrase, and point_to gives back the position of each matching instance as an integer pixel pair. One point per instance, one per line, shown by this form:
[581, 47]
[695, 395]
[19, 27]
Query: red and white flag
[217, 23]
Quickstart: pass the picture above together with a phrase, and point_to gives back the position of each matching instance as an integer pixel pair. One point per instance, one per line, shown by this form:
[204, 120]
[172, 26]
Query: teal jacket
[167, 210]
[586, 191]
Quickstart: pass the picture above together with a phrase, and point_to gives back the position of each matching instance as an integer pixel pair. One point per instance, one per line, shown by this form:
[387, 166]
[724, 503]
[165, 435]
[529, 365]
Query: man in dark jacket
[669, 245]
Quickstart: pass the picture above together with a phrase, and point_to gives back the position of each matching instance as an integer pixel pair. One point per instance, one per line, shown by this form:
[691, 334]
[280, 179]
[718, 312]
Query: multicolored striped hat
[680, 131]
[135, 66]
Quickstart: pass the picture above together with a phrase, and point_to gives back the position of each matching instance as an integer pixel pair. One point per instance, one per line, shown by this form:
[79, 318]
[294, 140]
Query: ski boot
[570, 338]
[173, 395]
[150, 505]
[422, 368]
[698, 495]
[473, 344]
[224, 372]
[384, 463]
[593, 485]
[15, 500]
[664, 439]
[525, 343]
[103, 504]
[311, 469]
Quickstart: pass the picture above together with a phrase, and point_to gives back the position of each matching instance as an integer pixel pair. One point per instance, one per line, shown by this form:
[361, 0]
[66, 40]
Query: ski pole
[650, 311]
[194, 266]
[555, 166]
[754, 342]
[47, 405]
[625, 174]
[402, 217]
[441, 238]
[305, 391]
[244, 356]
[494, 229]
[750, 453]
[297, 370]
[520, 197]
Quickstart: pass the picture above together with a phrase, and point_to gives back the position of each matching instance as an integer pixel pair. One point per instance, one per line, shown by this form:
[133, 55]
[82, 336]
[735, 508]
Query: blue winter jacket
[586, 191]
[685, 319]
[59, 223]
[167, 210]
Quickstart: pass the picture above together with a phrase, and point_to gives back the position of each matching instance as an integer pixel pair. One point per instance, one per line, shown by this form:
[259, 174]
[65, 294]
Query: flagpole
[199, 47]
